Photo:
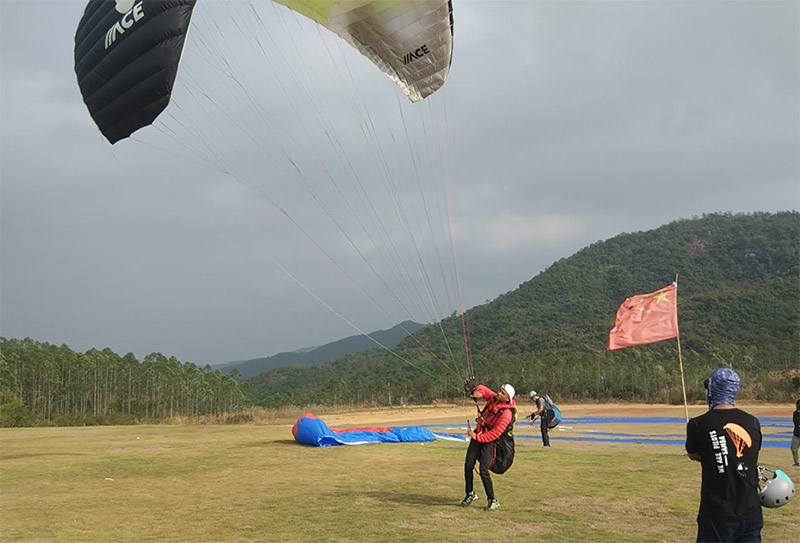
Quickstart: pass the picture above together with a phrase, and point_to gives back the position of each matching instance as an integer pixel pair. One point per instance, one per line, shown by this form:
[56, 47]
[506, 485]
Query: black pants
[746, 530]
[483, 453]
[547, 417]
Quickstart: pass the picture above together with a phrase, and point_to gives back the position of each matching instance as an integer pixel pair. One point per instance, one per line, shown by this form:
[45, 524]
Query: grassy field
[252, 482]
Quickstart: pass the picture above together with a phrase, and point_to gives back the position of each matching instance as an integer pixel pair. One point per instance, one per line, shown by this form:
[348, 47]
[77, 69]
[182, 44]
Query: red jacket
[495, 417]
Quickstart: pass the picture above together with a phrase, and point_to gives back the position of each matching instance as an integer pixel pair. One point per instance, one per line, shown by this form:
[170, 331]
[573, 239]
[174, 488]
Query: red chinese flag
[646, 318]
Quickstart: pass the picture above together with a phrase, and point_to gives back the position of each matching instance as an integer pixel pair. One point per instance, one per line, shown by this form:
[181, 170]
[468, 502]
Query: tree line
[649, 374]
[44, 383]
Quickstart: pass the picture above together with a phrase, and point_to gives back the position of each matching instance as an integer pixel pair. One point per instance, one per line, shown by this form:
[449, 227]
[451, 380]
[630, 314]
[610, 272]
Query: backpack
[549, 404]
[503, 454]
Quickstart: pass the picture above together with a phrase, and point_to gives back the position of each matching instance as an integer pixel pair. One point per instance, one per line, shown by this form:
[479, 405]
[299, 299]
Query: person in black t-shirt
[726, 441]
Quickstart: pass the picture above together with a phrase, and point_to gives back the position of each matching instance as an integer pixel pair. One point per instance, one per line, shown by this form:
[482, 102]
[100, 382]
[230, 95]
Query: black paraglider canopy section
[126, 62]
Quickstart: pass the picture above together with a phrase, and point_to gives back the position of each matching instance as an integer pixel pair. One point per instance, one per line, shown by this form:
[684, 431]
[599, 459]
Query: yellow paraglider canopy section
[409, 40]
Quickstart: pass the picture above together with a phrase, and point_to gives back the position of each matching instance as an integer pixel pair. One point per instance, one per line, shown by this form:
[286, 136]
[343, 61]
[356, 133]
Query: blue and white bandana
[723, 384]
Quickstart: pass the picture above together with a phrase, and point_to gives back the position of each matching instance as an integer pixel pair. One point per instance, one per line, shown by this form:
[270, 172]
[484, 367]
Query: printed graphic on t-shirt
[720, 447]
[740, 440]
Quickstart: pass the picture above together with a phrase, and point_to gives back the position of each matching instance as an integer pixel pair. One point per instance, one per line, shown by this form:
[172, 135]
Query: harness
[503, 446]
[486, 424]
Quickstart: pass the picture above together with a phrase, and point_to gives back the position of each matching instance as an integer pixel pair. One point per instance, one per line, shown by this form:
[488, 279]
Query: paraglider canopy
[309, 430]
[127, 52]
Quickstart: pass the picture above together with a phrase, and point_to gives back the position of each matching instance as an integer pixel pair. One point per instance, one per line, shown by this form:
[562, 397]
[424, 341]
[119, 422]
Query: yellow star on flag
[661, 296]
[645, 319]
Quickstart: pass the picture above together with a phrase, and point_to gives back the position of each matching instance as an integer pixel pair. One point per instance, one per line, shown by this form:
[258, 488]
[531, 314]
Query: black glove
[469, 386]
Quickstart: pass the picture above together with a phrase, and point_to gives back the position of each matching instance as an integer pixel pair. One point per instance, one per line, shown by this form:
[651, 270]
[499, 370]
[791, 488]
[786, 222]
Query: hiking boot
[494, 505]
[468, 499]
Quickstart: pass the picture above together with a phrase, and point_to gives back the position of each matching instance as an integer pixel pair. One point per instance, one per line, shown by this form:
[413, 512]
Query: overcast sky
[561, 124]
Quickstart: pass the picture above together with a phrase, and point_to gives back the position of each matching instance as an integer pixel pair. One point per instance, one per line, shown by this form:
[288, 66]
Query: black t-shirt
[728, 441]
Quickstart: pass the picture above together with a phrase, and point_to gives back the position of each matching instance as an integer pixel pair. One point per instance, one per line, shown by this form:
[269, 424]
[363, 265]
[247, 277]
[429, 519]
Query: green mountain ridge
[738, 305]
[323, 353]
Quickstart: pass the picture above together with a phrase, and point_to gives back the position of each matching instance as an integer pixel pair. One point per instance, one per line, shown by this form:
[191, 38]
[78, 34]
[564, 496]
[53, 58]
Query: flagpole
[683, 382]
[680, 364]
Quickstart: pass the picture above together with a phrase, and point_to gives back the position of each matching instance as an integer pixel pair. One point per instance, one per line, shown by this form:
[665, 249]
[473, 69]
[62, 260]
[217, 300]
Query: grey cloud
[565, 122]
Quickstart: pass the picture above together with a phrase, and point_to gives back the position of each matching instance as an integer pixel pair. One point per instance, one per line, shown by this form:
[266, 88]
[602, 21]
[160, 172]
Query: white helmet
[509, 390]
[532, 393]
[777, 491]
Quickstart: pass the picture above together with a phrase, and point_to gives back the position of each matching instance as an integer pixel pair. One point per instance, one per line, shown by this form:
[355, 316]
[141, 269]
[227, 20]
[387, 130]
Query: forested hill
[325, 353]
[738, 305]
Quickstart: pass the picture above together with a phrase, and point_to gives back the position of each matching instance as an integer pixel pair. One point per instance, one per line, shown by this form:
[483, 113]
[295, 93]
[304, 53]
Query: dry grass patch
[252, 483]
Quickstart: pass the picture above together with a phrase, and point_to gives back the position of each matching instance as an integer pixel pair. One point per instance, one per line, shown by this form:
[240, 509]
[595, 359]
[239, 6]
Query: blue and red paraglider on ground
[309, 430]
